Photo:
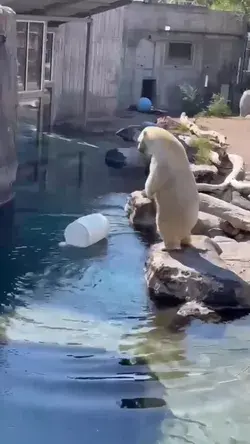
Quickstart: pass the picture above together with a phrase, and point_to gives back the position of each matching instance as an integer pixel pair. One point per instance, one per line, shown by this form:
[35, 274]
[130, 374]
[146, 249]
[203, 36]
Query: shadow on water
[85, 356]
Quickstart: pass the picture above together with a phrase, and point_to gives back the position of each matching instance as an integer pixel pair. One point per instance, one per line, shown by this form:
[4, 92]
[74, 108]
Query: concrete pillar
[8, 102]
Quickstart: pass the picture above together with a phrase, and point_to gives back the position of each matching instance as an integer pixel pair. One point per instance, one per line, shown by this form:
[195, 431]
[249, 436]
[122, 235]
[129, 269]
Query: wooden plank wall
[105, 66]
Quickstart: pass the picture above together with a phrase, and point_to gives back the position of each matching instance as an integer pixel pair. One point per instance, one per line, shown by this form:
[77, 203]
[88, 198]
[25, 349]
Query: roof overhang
[63, 8]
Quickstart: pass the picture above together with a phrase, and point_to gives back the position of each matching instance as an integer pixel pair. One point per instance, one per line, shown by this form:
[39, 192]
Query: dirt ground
[237, 131]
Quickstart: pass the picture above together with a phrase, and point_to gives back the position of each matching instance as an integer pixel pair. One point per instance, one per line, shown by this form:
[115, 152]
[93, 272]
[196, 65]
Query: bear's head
[155, 141]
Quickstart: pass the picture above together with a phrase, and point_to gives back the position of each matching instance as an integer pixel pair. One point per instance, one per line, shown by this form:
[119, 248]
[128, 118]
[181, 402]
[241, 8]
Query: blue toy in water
[144, 105]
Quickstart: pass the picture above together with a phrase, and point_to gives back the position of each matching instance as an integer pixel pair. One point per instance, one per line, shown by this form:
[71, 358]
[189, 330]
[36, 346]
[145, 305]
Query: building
[146, 49]
[169, 45]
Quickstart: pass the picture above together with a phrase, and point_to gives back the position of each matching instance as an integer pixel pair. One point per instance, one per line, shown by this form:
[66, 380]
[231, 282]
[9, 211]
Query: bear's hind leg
[186, 241]
[171, 246]
[171, 241]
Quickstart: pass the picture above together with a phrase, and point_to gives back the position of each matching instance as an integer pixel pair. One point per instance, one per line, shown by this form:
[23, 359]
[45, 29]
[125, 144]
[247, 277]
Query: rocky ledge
[210, 277]
[195, 278]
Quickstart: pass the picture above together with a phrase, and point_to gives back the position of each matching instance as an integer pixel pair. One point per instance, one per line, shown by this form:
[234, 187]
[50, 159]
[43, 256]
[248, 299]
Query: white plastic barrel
[87, 230]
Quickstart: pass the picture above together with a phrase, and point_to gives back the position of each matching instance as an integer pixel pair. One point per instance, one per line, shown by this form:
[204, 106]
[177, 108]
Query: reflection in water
[85, 356]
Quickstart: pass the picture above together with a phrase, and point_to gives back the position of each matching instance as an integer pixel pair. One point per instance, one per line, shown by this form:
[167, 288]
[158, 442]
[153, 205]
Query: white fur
[245, 103]
[171, 183]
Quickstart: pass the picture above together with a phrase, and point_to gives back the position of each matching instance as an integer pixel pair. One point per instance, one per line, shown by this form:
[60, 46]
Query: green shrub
[203, 149]
[181, 129]
[218, 107]
[191, 100]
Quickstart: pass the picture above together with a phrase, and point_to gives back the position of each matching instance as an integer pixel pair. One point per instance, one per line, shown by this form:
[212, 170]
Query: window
[179, 52]
[30, 55]
[22, 36]
[35, 53]
[49, 56]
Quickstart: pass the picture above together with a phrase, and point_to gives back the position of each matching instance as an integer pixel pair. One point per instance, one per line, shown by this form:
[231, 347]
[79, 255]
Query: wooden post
[86, 71]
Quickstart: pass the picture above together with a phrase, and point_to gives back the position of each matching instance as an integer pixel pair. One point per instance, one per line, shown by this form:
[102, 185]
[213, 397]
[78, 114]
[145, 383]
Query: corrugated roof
[63, 8]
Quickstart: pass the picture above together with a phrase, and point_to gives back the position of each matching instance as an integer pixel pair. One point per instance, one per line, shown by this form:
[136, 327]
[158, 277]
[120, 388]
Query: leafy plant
[191, 99]
[218, 107]
[203, 149]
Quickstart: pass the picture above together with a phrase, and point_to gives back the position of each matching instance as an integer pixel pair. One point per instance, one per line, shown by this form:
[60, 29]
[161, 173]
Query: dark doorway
[149, 89]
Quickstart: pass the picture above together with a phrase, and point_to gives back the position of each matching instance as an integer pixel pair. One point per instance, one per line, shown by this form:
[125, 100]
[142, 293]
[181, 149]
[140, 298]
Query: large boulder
[240, 201]
[236, 216]
[131, 132]
[208, 225]
[245, 103]
[195, 275]
[126, 157]
[141, 211]
[204, 173]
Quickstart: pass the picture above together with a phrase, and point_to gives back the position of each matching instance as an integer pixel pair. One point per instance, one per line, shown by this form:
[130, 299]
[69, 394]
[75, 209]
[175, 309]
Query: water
[84, 355]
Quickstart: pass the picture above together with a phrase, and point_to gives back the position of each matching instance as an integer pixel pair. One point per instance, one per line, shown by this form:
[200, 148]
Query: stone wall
[8, 102]
[130, 44]
[217, 40]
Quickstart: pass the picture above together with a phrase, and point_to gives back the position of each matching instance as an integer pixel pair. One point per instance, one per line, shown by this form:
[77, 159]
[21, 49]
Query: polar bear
[172, 184]
[245, 103]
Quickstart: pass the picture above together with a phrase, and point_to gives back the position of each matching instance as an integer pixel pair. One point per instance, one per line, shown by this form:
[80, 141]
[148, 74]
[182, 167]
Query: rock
[186, 142]
[141, 211]
[240, 201]
[215, 232]
[238, 217]
[225, 195]
[229, 229]
[224, 239]
[197, 310]
[126, 157]
[205, 223]
[237, 258]
[131, 132]
[195, 274]
[204, 173]
[245, 103]
[240, 237]
[236, 170]
[169, 124]
[215, 158]
[115, 159]
[242, 186]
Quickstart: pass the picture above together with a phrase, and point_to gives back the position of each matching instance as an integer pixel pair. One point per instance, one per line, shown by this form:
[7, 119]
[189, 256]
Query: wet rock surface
[195, 274]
